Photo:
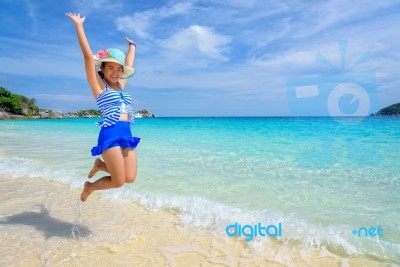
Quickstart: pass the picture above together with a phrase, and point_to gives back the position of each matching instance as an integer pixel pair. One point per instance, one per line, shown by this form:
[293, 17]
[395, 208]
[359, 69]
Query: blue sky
[210, 57]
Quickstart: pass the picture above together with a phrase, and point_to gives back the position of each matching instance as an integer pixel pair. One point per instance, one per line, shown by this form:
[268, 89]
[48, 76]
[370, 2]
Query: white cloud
[267, 75]
[137, 24]
[198, 41]
[32, 15]
[177, 9]
[319, 17]
[140, 22]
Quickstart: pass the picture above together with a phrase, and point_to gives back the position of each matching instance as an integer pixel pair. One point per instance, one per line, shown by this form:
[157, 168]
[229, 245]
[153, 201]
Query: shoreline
[48, 114]
[44, 223]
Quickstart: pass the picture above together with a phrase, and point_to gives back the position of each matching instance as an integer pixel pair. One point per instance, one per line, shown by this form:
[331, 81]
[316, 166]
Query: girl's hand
[128, 40]
[76, 18]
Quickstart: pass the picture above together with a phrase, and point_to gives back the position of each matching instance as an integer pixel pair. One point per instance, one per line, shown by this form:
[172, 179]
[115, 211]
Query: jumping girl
[115, 143]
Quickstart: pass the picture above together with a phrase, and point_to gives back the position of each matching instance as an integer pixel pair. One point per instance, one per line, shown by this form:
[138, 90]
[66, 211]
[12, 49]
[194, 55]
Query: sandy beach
[43, 223]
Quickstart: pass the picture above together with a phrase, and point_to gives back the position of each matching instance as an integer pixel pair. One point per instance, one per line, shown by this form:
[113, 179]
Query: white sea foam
[209, 217]
[18, 167]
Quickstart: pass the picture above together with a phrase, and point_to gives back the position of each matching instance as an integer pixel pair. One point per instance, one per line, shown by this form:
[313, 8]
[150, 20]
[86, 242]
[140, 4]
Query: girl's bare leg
[98, 165]
[114, 160]
[130, 164]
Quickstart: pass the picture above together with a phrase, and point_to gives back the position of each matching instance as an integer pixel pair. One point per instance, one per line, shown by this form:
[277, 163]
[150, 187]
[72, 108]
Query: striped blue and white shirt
[109, 103]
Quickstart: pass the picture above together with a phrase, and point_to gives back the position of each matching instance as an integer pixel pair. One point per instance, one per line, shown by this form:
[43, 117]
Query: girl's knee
[130, 179]
[118, 183]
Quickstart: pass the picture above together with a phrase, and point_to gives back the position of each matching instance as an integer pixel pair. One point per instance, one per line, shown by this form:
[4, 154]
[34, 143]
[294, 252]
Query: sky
[211, 57]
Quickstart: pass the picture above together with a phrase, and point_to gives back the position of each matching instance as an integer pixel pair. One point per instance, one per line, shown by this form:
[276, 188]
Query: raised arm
[129, 59]
[90, 67]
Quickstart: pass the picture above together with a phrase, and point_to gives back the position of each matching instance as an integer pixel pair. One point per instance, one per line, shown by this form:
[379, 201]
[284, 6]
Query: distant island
[15, 106]
[393, 110]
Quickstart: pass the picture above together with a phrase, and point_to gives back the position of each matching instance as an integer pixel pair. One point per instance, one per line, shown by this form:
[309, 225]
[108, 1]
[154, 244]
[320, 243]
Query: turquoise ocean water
[321, 178]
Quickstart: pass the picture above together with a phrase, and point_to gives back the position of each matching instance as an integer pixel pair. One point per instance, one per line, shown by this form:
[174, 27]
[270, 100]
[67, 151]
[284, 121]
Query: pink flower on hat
[103, 54]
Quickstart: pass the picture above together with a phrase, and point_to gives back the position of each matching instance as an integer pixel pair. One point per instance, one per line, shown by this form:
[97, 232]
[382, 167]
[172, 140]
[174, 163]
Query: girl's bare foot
[86, 191]
[97, 166]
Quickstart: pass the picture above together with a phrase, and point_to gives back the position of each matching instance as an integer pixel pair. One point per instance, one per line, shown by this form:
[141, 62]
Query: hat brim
[127, 71]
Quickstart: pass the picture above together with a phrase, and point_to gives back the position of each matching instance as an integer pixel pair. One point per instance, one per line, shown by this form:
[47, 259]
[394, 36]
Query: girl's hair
[101, 74]
[103, 64]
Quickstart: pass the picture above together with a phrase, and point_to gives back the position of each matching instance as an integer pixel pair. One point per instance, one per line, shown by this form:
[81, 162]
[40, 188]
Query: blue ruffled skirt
[118, 134]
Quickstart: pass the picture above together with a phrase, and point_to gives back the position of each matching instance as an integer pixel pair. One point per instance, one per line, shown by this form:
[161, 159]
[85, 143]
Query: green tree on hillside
[17, 104]
[393, 110]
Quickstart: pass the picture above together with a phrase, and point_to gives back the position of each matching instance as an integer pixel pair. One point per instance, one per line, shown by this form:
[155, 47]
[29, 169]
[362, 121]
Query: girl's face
[112, 71]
